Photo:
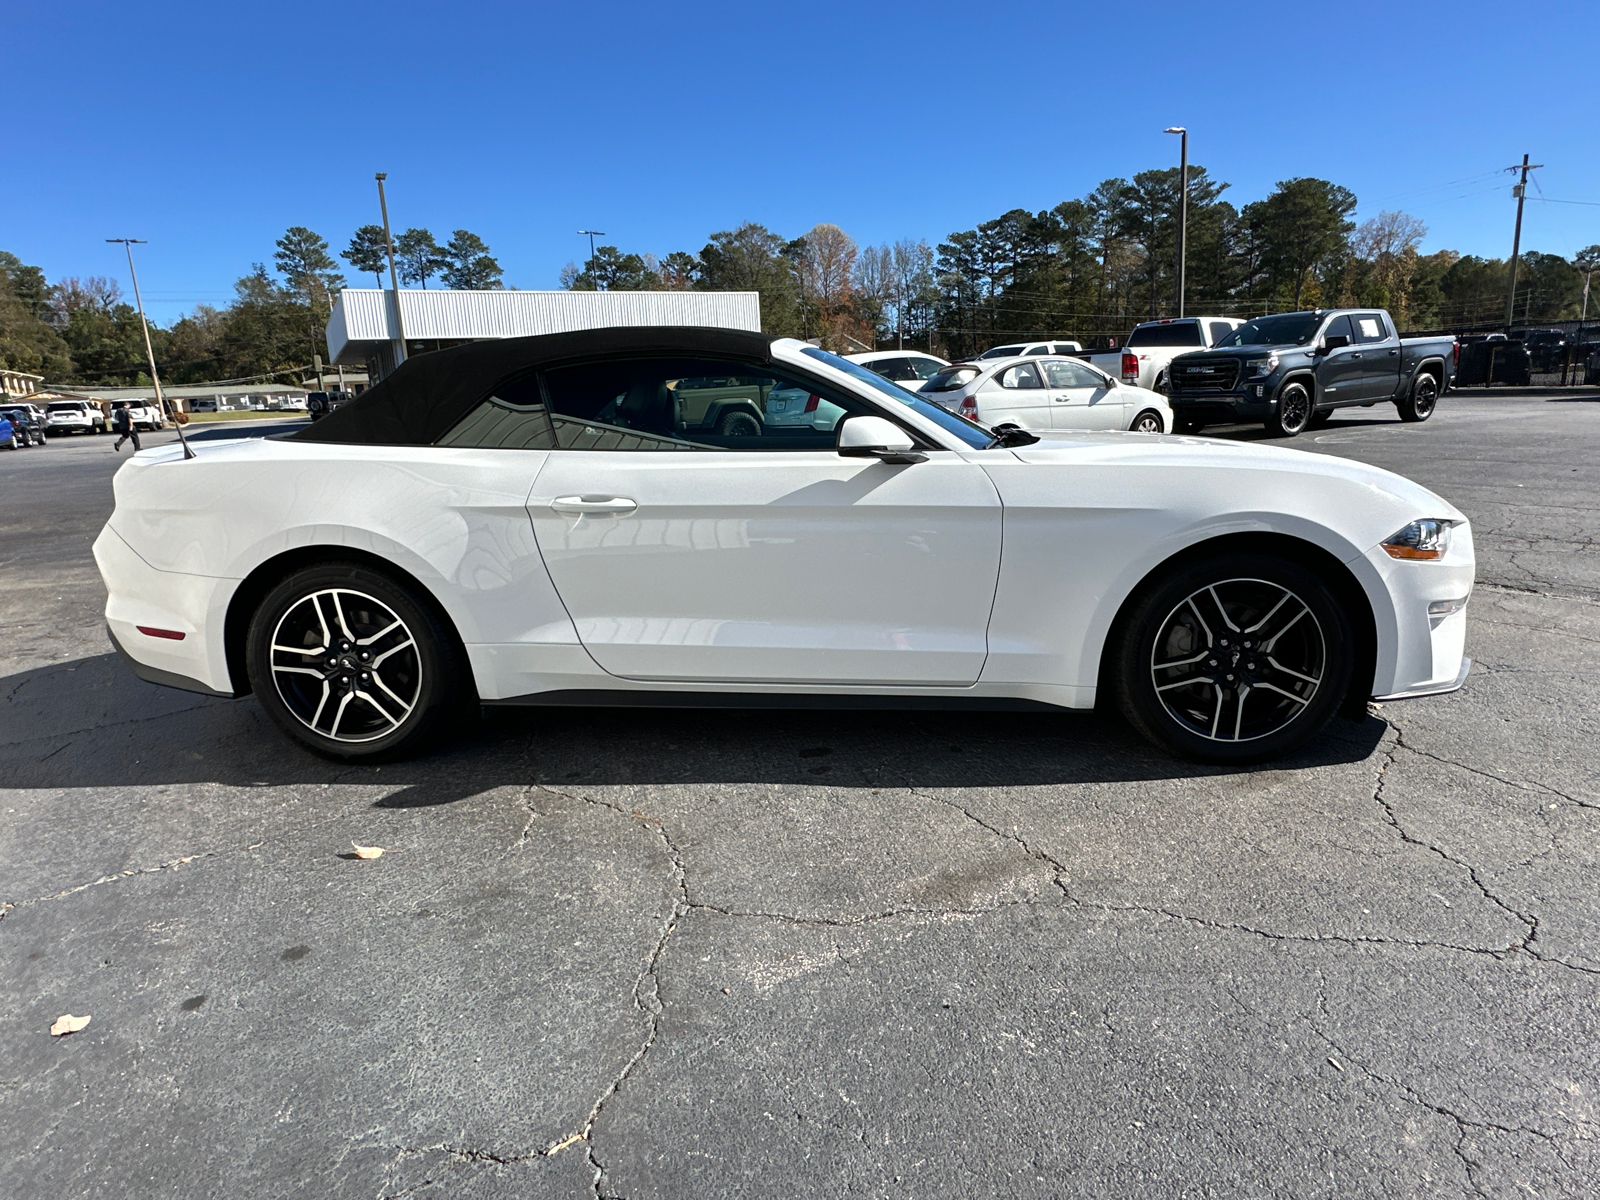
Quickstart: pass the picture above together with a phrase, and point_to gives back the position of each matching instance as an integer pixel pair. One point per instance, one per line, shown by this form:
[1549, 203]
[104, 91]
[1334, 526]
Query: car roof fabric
[422, 401]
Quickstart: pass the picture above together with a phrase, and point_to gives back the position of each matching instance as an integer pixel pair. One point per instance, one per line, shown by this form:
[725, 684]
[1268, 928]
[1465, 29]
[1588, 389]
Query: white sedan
[534, 521]
[1047, 393]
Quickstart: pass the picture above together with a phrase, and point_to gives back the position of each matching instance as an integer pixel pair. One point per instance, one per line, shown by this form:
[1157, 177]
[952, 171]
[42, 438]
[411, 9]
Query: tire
[1149, 421]
[1261, 699]
[1418, 404]
[395, 711]
[1293, 411]
[1320, 418]
[11, 443]
[738, 424]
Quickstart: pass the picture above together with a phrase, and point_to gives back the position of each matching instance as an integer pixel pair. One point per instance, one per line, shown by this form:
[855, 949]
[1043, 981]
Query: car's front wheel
[1293, 412]
[354, 665]
[1238, 659]
[1149, 421]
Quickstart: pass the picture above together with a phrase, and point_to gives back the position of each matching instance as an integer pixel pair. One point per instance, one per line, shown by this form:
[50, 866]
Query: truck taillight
[1130, 366]
[811, 402]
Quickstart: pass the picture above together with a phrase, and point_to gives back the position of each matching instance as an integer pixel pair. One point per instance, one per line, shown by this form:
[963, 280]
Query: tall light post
[1183, 208]
[149, 351]
[394, 278]
[593, 233]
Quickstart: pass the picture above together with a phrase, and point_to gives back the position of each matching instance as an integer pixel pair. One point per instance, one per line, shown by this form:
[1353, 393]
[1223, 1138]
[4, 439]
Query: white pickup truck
[1142, 362]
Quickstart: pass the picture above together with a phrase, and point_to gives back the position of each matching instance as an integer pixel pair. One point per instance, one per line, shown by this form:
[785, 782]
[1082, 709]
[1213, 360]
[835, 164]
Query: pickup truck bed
[1291, 370]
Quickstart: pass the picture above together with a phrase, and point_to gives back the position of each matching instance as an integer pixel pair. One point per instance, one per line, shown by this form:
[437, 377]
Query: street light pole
[1183, 209]
[593, 233]
[150, 355]
[394, 278]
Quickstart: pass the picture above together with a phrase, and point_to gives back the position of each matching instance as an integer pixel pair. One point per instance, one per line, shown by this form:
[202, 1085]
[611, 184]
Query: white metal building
[361, 328]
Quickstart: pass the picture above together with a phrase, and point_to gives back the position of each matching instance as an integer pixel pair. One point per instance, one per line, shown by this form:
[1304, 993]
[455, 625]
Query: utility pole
[150, 355]
[1520, 191]
[394, 277]
[1183, 208]
[593, 233]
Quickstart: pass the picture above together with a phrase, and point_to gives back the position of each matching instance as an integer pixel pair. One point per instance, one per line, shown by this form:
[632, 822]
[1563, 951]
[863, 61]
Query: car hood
[1335, 480]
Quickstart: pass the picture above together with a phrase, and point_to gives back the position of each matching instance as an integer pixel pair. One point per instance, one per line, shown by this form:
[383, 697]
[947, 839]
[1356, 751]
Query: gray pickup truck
[1291, 370]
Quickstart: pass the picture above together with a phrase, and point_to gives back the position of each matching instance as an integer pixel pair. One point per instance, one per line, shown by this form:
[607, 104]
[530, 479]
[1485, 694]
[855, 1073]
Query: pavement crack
[170, 865]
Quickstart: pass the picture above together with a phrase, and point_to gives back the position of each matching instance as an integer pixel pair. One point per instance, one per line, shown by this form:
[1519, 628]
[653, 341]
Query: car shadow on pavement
[89, 723]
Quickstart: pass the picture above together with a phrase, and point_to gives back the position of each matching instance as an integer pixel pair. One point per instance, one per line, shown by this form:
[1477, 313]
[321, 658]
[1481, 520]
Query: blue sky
[208, 129]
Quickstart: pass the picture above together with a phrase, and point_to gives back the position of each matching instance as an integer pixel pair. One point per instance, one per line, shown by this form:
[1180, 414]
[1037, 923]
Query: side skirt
[618, 698]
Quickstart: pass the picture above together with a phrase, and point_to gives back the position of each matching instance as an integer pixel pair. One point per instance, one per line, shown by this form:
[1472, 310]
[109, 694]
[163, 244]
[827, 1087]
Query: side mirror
[877, 437]
[1334, 341]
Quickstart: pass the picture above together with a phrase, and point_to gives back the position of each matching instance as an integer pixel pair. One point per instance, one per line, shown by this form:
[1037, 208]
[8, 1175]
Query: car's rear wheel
[1418, 404]
[1293, 412]
[1238, 659]
[353, 664]
[1149, 421]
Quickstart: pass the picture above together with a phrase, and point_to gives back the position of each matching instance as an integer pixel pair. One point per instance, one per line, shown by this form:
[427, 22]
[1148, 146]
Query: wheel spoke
[378, 661]
[1313, 680]
[1238, 719]
[1221, 609]
[338, 611]
[1269, 687]
[344, 703]
[393, 625]
[1271, 643]
[1216, 717]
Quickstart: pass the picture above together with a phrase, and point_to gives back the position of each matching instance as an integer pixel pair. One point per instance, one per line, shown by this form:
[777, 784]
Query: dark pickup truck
[1291, 370]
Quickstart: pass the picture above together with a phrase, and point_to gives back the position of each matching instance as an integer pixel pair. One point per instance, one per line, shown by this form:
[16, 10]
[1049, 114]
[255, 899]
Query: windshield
[73, 408]
[1002, 352]
[970, 432]
[1167, 333]
[951, 379]
[1285, 329]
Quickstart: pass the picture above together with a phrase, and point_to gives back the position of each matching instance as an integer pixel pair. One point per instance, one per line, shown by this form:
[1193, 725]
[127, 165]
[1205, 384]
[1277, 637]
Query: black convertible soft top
[424, 399]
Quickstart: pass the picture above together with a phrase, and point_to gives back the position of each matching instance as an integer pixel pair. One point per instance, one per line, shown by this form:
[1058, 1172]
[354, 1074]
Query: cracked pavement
[643, 954]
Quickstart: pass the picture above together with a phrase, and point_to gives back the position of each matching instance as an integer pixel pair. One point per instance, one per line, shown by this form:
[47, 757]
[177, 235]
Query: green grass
[204, 418]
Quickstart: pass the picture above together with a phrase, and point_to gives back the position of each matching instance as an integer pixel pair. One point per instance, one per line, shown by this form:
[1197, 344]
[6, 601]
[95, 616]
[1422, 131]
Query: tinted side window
[1040, 350]
[1023, 375]
[513, 417]
[1219, 330]
[897, 369]
[925, 368]
[1166, 333]
[1339, 325]
[1370, 327]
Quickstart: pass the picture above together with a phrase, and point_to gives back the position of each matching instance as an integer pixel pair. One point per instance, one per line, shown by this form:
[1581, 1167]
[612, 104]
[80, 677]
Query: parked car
[1591, 367]
[74, 416]
[1546, 347]
[28, 424]
[1228, 598]
[909, 368]
[1151, 347]
[142, 413]
[1290, 371]
[1047, 393]
[10, 437]
[320, 404]
[1018, 349]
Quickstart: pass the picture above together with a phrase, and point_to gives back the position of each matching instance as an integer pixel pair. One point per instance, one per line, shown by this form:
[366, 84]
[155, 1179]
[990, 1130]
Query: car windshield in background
[1002, 352]
[951, 379]
[970, 432]
[1178, 333]
[1289, 329]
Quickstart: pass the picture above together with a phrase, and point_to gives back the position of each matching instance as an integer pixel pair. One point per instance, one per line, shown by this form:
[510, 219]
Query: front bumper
[1216, 408]
[1422, 654]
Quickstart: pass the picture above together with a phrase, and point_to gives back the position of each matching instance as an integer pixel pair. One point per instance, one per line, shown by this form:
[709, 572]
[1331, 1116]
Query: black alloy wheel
[1149, 421]
[1236, 660]
[1418, 404]
[353, 665]
[1293, 412]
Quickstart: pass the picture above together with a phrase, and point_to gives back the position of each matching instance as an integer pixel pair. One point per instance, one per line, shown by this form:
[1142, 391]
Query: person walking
[122, 423]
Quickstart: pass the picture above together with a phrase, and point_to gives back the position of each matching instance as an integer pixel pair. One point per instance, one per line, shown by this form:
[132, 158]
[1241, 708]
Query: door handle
[1392, 353]
[578, 505]
[1355, 356]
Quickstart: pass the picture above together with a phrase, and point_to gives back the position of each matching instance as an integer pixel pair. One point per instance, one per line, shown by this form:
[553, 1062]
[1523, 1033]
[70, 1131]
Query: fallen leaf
[560, 1146]
[67, 1024]
[1335, 1063]
[368, 851]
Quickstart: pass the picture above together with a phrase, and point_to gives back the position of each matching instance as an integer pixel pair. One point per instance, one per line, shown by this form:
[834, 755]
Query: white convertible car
[550, 520]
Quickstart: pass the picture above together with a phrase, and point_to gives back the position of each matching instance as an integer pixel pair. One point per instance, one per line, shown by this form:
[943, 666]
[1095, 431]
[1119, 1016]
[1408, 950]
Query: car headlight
[1423, 540]
[1264, 366]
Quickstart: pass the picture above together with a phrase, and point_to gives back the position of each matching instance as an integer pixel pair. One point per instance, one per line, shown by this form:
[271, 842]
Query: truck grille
[1208, 375]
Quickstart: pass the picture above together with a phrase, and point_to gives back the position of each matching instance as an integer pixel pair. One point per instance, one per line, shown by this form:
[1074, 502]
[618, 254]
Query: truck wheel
[1149, 421]
[1320, 418]
[739, 424]
[1419, 403]
[1293, 413]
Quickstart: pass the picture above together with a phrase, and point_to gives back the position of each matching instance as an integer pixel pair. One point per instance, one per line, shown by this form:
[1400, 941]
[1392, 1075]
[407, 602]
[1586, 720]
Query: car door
[1380, 356]
[1339, 372]
[1082, 398]
[685, 556]
[1015, 395]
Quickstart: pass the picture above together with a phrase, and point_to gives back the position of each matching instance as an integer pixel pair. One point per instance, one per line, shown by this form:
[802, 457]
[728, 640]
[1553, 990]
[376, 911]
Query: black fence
[1554, 354]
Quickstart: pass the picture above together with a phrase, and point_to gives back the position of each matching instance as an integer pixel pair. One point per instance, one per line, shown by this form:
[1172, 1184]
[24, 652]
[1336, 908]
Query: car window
[1369, 327]
[1339, 325]
[925, 368]
[1040, 350]
[952, 378]
[1002, 352]
[1219, 330]
[1023, 375]
[656, 404]
[1067, 348]
[1166, 333]
[1073, 375]
[897, 369]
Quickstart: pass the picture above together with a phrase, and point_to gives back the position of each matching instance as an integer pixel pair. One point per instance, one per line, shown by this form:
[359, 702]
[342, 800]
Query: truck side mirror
[1334, 341]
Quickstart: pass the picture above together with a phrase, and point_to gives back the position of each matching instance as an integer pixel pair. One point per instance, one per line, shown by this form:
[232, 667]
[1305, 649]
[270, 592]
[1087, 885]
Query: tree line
[85, 331]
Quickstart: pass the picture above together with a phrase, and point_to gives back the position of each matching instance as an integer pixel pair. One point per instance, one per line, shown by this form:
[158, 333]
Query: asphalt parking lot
[694, 954]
